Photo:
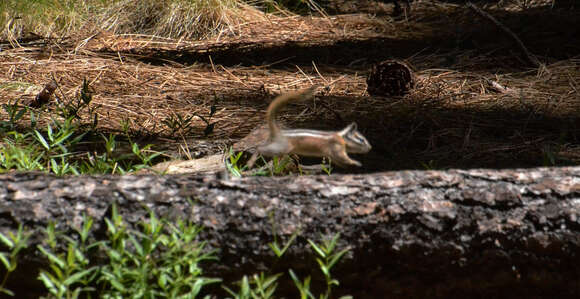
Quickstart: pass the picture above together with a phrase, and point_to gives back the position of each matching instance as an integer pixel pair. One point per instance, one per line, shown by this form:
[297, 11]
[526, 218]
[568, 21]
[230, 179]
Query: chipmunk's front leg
[339, 156]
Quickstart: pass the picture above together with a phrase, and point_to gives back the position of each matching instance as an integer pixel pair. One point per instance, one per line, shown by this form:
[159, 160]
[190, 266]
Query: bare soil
[454, 118]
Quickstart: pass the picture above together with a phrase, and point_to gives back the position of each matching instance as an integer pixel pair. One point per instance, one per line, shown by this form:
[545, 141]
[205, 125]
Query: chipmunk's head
[355, 141]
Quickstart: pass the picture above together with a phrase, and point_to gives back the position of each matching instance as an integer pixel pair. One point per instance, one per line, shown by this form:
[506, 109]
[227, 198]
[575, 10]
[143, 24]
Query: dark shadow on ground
[549, 33]
[426, 136]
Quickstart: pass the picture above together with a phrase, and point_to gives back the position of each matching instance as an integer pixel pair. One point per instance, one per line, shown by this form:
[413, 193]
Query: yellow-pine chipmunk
[312, 143]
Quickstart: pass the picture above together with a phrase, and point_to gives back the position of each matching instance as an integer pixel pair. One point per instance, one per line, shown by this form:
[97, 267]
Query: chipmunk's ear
[348, 129]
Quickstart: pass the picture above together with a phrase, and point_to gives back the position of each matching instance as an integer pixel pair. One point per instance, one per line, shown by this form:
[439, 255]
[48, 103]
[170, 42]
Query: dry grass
[183, 19]
[178, 19]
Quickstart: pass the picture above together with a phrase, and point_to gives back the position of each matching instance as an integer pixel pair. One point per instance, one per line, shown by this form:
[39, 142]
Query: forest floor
[454, 118]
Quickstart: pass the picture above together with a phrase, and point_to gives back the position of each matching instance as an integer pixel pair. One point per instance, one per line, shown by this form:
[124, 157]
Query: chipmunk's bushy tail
[279, 102]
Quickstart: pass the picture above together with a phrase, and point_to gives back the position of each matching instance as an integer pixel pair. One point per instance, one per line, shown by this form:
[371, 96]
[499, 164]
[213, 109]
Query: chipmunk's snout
[357, 144]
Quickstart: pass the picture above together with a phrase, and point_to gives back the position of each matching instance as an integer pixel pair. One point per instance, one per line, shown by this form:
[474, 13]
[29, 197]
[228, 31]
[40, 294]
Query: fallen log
[457, 233]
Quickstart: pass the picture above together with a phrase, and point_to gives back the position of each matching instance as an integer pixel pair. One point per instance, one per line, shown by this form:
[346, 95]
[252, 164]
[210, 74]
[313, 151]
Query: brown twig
[336, 114]
[531, 57]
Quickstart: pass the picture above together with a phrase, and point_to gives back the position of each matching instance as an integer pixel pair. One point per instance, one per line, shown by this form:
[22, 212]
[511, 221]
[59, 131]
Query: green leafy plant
[280, 165]
[232, 165]
[327, 258]
[326, 167]
[277, 166]
[158, 260]
[302, 286]
[153, 262]
[549, 156]
[15, 156]
[264, 286]
[70, 272]
[431, 165]
[145, 155]
[103, 162]
[15, 113]
[125, 124]
[178, 123]
[258, 286]
[279, 252]
[15, 243]
[55, 147]
[71, 109]
[209, 126]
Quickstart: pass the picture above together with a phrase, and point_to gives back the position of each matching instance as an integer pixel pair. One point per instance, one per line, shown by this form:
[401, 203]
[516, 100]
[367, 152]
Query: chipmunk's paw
[356, 163]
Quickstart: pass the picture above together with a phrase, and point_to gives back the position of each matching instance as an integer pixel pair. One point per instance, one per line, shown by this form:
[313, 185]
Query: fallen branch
[411, 234]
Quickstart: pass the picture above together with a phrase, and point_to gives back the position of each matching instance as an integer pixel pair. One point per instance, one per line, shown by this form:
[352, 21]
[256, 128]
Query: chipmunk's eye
[358, 138]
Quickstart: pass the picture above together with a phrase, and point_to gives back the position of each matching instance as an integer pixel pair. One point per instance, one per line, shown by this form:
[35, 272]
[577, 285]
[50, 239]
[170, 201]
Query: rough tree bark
[457, 233]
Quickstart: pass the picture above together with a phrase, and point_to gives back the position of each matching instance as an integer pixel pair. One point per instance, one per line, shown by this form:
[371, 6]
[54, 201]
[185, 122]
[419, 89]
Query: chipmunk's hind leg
[275, 148]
